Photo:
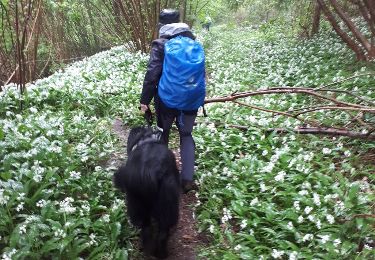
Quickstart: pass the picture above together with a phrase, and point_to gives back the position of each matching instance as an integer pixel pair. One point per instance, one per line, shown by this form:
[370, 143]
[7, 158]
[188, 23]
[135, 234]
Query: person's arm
[153, 74]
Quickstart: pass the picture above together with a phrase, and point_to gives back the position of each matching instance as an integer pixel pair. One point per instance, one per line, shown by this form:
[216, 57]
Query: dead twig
[312, 130]
[317, 108]
[282, 91]
[343, 80]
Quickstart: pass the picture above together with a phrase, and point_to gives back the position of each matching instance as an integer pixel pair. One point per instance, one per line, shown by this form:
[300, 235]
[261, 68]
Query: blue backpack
[182, 85]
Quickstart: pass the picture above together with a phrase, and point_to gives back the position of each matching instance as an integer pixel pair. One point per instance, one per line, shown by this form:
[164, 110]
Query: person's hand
[144, 108]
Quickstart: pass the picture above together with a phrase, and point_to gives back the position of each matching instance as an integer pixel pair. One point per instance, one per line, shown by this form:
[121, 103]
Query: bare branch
[326, 131]
[281, 90]
[311, 130]
[310, 122]
[312, 109]
[346, 79]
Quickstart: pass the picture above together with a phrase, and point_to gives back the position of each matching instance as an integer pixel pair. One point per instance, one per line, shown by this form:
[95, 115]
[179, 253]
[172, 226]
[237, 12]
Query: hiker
[207, 22]
[165, 85]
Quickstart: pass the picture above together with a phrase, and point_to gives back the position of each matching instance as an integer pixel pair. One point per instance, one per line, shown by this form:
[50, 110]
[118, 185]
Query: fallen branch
[364, 216]
[348, 93]
[287, 90]
[313, 123]
[312, 109]
[326, 131]
[314, 130]
[343, 80]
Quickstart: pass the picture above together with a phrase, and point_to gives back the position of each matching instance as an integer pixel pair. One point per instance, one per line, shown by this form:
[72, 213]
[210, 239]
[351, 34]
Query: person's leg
[165, 122]
[187, 146]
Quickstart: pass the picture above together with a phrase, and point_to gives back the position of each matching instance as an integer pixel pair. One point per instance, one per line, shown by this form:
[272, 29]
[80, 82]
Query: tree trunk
[344, 36]
[349, 23]
[316, 19]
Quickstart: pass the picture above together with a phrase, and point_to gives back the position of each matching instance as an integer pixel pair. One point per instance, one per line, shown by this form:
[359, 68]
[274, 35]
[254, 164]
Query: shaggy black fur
[151, 182]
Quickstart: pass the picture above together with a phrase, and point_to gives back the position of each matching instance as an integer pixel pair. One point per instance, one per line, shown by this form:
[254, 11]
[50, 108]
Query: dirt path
[185, 240]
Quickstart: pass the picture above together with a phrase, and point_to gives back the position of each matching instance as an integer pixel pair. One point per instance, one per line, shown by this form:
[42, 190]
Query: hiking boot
[188, 186]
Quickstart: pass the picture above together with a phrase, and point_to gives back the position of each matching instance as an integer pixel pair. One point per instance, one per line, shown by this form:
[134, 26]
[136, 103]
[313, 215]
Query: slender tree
[362, 45]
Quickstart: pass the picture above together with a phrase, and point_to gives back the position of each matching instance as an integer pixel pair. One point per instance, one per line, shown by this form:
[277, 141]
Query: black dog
[151, 182]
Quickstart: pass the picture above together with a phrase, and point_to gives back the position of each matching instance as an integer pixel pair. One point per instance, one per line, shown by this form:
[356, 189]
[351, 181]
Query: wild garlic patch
[293, 196]
[56, 193]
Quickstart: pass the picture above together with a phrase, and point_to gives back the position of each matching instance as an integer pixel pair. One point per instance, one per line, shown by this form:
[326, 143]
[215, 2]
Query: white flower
[330, 219]
[86, 207]
[243, 223]
[237, 247]
[324, 238]
[290, 225]
[263, 187]
[347, 153]
[307, 237]
[367, 247]
[332, 166]
[75, 175]
[226, 215]
[318, 224]
[92, 240]
[20, 207]
[265, 152]
[277, 254]
[3, 198]
[336, 242]
[41, 203]
[211, 229]
[296, 205]
[300, 219]
[33, 110]
[59, 233]
[68, 224]
[8, 255]
[280, 176]
[303, 192]
[316, 199]
[106, 218]
[326, 151]
[293, 255]
[37, 177]
[254, 202]
[269, 167]
[308, 210]
[23, 229]
[66, 205]
[21, 196]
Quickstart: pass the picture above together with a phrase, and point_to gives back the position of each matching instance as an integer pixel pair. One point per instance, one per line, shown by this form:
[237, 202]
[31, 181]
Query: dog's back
[151, 181]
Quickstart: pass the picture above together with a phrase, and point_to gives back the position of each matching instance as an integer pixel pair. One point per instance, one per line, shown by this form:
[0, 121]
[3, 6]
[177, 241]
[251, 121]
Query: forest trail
[185, 239]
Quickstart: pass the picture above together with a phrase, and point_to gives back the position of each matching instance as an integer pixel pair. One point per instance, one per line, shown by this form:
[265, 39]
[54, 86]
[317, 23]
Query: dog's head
[140, 134]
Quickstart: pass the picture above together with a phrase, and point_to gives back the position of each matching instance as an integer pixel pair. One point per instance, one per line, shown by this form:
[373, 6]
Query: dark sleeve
[154, 70]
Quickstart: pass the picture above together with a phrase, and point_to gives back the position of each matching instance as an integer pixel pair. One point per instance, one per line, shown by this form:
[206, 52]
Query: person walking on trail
[175, 78]
[207, 22]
